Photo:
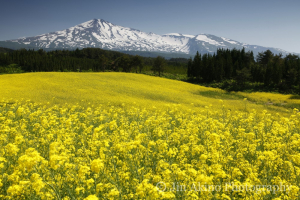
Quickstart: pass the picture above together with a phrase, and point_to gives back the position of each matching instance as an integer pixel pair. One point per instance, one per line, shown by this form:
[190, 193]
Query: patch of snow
[174, 34]
[86, 24]
[167, 39]
[43, 37]
[189, 36]
[229, 40]
[106, 26]
[206, 39]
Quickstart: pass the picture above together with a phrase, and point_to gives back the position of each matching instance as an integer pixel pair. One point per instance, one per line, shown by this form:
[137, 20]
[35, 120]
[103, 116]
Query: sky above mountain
[270, 23]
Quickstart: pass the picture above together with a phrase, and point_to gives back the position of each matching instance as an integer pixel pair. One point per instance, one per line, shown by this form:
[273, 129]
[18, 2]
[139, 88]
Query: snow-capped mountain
[102, 34]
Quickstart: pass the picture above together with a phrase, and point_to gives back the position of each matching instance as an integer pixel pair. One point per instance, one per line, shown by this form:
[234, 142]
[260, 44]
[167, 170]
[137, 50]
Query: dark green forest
[237, 70]
[84, 60]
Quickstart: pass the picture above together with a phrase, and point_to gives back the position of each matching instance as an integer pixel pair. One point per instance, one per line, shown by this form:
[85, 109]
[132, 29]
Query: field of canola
[203, 148]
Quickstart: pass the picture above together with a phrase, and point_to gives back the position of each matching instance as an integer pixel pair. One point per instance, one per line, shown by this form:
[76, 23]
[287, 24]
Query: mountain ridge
[100, 33]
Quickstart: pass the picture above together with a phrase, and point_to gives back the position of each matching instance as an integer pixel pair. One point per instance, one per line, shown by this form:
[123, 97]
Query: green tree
[242, 76]
[124, 63]
[265, 57]
[228, 66]
[277, 69]
[159, 64]
[268, 73]
[190, 68]
[206, 69]
[137, 63]
[197, 66]
[292, 75]
[103, 61]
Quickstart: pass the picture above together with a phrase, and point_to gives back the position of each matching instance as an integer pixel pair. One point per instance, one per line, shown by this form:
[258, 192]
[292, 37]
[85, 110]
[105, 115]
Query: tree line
[87, 59]
[238, 70]
[63, 60]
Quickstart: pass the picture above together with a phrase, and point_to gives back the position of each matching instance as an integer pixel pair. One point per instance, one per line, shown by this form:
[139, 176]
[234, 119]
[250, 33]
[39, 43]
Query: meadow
[132, 136]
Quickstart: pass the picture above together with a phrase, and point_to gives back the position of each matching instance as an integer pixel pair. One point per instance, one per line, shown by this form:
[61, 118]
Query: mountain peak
[103, 34]
[98, 20]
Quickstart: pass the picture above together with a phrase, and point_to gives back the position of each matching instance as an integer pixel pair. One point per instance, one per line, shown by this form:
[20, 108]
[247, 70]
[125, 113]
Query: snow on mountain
[102, 34]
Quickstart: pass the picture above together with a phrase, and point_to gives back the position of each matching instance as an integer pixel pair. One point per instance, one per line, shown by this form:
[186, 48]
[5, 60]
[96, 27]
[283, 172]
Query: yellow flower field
[127, 136]
[117, 88]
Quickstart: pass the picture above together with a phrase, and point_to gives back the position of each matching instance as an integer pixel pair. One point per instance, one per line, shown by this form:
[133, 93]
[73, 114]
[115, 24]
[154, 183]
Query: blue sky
[270, 23]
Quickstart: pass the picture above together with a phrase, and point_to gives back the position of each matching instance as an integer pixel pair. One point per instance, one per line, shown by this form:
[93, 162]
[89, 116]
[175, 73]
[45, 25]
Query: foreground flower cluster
[127, 152]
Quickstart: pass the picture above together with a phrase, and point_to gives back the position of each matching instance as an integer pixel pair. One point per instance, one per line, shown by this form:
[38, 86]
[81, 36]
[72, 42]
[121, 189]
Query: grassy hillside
[118, 88]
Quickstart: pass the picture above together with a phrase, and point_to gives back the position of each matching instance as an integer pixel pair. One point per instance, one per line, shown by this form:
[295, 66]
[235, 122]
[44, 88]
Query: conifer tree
[228, 66]
[197, 66]
[159, 65]
[190, 68]
[137, 62]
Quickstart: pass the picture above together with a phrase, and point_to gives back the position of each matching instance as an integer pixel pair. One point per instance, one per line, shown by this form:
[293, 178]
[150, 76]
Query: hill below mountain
[118, 88]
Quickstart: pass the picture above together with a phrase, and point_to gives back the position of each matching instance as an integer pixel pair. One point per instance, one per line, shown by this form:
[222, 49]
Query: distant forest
[84, 60]
[232, 70]
[239, 70]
